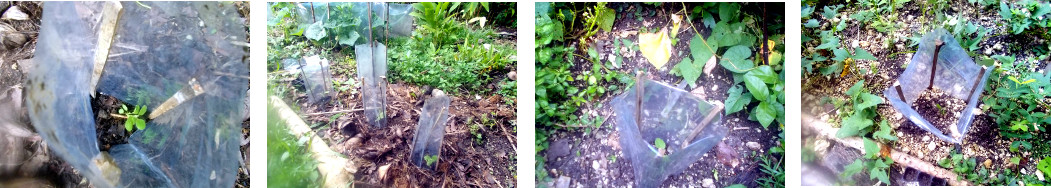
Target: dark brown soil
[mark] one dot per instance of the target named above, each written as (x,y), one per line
(940,109)
(592,156)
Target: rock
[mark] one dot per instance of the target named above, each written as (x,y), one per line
(14,13)
(988,51)
(854,44)
(1040,175)
(926,138)
(753,145)
(864,44)
(900,134)
(707,183)
(562,182)
(513,75)
(988,163)
(1023,171)
(998,46)
(595,165)
(559,148)
(11,38)
(931,146)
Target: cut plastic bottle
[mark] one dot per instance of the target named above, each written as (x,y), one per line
(427,142)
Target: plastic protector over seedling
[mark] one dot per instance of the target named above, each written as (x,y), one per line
(317,78)
(372,68)
(429,131)
(670,114)
(399,23)
(957,75)
(161,51)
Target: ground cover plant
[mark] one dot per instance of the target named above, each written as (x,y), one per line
(588,53)
(866,45)
(465,50)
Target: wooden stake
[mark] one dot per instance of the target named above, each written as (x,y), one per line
(938,46)
(718,107)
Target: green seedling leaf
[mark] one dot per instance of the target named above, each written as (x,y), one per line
(862,54)
(698,49)
(852,169)
(140,124)
(812,23)
(736,101)
(879,173)
(128,124)
(868,100)
(766,74)
(735,59)
(659,143)
(884,132)
(853,125)
(871,148)
(606,16)
(690,71)
(1044,166)
(855,90)
(431,159)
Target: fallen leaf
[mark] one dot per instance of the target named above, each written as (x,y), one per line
(726,154)
(656,47)
(676,22)
(709,66)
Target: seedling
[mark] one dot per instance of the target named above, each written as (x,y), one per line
(431,159)
(133,117)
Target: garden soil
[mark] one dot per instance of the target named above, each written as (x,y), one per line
(941,110)
(381,155)
(983,141)
(592,157)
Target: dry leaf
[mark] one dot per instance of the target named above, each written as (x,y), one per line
(656,47)
(709,66)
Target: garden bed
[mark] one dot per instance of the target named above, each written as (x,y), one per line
(591,155)
(940,109)
(892,51)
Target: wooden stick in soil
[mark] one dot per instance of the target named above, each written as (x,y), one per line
(934,65)
(828,132)
(640,80)
(333,112)
(718,107)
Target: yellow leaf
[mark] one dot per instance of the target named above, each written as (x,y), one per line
(846,67)
(770,45)
(676,22)
(656,47)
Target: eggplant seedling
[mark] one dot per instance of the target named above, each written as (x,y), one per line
(134,117)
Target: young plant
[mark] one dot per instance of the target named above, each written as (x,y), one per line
(135,117)
(858,116)
(873,163)
(431,159)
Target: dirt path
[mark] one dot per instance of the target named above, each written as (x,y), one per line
(594,158)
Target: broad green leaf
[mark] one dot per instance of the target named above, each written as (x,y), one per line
(128,124)
(736,100)
(699,51)
(765,113)
(862,54)
(853,125)
(856,89)
(140,124)
(350,39)
(606,16)
(316,31)
(840,54)
(735,59)
(812,23)
(868,100)
(828,43)
(756,86)
(833,68)
(879,173)
(690,72)
(765,73)
(871,148)
(655,47)
(852,169)
(884,132)
(729,11)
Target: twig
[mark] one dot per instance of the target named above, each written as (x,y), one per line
(704,123)
(333,112)
(938,46)
(509,138)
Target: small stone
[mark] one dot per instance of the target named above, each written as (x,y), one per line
(931,146)
(926,138)
(512,75)
(14,13)
(562,182)
(1023,171)
(864,44)
(707,183)
(753,146)
(595,165)
(854,44)
(1040,175)
(900,134)
(988,163)
(997,46)
(988,51)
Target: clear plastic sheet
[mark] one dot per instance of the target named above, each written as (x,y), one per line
(399,22)
(158,48)
(957,75)
(429,130)
(372,69)
(670,114)
(317,79)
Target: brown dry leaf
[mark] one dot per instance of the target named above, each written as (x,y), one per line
(709,66)
(726,154)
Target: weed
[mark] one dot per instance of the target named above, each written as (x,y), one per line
(431,159)
(872,163)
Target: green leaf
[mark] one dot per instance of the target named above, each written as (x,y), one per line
(884,132)
(812,23)
(734,59)
(869,100)
(879,173)
(316,31)
(128,124)
(606,16)
(853,125)
(765,73)
(828,43)
(871,148)
(765,113)
(756,86)
(736,186)
(350,39)
(140,124)
(840,54)
(659,143)
(699,51)
(690,72)
(862,54)
(852,169)
(1044,165)
(855,90)
(729,11)
(1016,160)
(736,101)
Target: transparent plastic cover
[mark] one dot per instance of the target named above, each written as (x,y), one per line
(957,75)
(158,48)
(672,115)
(429,130)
